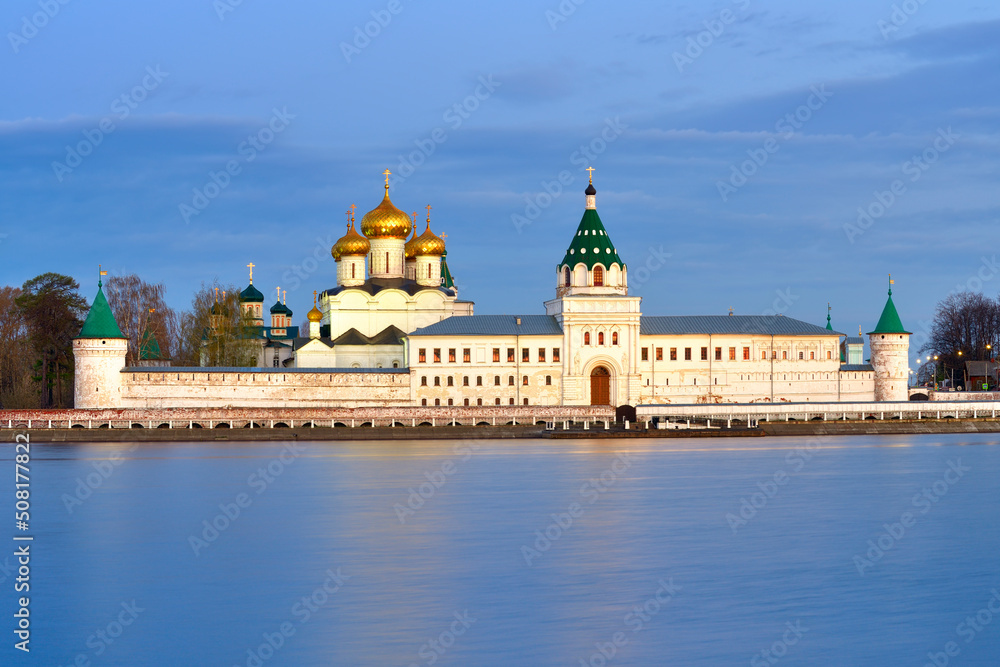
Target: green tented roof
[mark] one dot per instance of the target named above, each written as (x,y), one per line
(591,244)
(446,279)
(149,347)
(251,295)
(889,322)
(100,322)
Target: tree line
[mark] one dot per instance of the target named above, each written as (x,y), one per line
(966,327)
(39,320)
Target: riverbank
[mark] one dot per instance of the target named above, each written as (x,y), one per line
(500,432)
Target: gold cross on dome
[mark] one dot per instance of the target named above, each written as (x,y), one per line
(348,213)
(279,293)
(444,236)
(250,266)
(314,298)
(353,208)
(285,299)
(414,218)
(591,170)
(386,174)
(428,213)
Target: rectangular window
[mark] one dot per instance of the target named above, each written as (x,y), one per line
(687,354)
(704,354)
(467,355)
(451,356)
(829,354)
(422,355)
(763,354)
(718,354)
(496,355)
(784,354)
(645,354)
(555,354)
(732,354)
(541,355)
(479,381)
(437,355)
(525,355)
(746,354)
(465,381)
(812,356)
(510,355)
(437,381)
(801,357)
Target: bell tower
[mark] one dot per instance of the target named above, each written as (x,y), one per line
(600,321)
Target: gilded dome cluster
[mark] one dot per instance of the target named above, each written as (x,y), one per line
(428,243)
(386,221)
(351,243)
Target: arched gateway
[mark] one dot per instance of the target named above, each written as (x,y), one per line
(600,386)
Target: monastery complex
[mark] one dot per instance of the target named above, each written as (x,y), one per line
(394,332)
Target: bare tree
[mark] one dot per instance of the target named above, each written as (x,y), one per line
(17,387)
(140,306)
(966,328)
(216,331)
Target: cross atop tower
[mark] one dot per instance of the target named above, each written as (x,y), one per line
(250,266)
(386,174)
(428,213)
(355,206)
(279,293)
(591,170)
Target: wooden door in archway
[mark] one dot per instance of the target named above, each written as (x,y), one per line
(600,386)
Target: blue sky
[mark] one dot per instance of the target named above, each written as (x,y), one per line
(671,98)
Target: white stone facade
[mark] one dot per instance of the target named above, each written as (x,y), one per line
(890,358)
(98,380)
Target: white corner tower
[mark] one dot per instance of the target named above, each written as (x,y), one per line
(890,347)
(99,354)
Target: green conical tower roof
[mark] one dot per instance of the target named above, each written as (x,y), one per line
(446,279)
(889,323)
(100,322)
(591,244)
(149,348)
(829,325)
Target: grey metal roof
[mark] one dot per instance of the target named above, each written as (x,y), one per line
(856,367)
(493,325)
(730,324)
(855,340)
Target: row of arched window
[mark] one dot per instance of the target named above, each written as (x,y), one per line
(600,338)
(467,402)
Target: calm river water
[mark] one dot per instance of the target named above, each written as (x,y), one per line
(831,551)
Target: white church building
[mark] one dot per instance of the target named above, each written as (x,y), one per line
(394,332)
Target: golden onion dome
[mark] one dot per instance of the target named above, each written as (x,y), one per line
(411,245)
(350,243)
(428,243)
(386,221)
(315,315)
